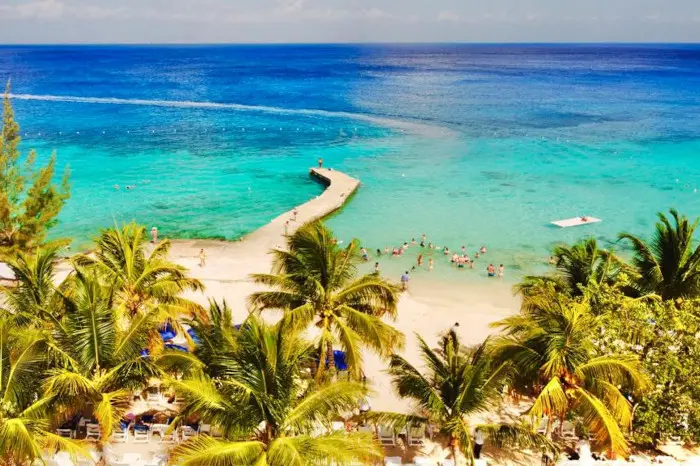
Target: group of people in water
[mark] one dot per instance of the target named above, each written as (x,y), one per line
(460,259)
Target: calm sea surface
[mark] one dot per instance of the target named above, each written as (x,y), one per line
(470,144)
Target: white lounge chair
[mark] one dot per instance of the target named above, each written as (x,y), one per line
(416,436)
(121,435)
(387,437)
(392,460)
(216,432)
(187,433)
(65,433)
(141,436)
(568,431)
(337,426)
(205,429)
(542,427)
(172,437)
(129,459)
(92,431)
(447,463)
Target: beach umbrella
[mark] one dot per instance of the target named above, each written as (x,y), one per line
(167,332)
(193,336)
(340,360)
(175,347)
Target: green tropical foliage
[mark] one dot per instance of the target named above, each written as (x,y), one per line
(29,200)
(315,283)
(553,347)
(266,404)
(25,415)
(668,264)
(576,266)
(458,384)
(143,281)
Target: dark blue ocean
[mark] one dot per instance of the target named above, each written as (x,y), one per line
(470,144)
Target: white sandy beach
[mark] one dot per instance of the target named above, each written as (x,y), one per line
(428,308)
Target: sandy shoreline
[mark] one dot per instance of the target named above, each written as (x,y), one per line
(429,307)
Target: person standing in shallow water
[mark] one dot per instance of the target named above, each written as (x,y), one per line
(404,280)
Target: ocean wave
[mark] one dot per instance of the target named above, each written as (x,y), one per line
(415,127)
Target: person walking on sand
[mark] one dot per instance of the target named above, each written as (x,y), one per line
(286,228)
(295,213)
(202,258)
(404,280)
(320,162)
(431,263)
(154,235)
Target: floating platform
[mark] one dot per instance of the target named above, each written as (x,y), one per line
(576,221)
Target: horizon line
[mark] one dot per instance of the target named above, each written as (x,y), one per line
(137,44)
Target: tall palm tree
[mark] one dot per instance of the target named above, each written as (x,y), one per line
(35,297)
(577,265)
(142,280)
(268,408)
(315,281)
(101,358)
(669,264)
(25,415)
(552,346)
(458,384)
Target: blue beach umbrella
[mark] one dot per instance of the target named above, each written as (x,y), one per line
(193,335)
(176,347)
(167,332)
(340,361)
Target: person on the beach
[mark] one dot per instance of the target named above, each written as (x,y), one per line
(379,252)
(420,260)
(395,252)
(154,234)
(413,241)
(286,228)
(446,251)
(464,250)
(405,245)
(423,237)
(295,213)
(483,250)
(477,255)
(430,246)
(471,264)
(584,219)
(552,260)
(365,256)
(430,264)
(202,258)
(501,270)
(422,243)
(320,162)
(491,270)
(455,258)
(478,443)
(404,280)
(376,267)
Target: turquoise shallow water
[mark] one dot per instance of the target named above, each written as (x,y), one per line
(471,145)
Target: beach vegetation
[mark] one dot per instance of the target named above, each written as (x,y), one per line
(30,200)
(315,282)
(265,402)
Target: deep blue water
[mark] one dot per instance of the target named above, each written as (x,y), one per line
(471,144)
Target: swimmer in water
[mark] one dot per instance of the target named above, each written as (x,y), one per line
(501,270)
(446,251)
(464,250)
(483,250)
(405,245)
(379,252)
(430,263)
(365,256)
(413,241)
(420,260)
(491,270)
(423,237)
(386,250)
(116,187)
(376,267)
(477,255)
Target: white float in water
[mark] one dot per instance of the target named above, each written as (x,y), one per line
(576,221)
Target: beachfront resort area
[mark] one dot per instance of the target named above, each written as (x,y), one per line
(283,349)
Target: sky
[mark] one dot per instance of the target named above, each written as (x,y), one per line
(275,21)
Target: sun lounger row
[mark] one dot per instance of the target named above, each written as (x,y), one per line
(425,461)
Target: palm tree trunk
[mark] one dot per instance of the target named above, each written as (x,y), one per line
(330,360)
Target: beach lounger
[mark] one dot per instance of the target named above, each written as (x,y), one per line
(568,431)
(216,432)
(172,437)
(447,463)
(392,460)
(416,436)
(542,427)
(141,436)
(205,429)
(92,431)
(387,437)
(187,433)
(154,396)
(65,433)
(337,426)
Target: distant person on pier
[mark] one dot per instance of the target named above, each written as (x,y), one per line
(320,162)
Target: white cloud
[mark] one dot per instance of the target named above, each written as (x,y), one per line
(42,9)
(447,15)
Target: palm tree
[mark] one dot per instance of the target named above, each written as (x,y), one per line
(577,266)
(101,360)
(35,297)
(268,408)
(668,265)
(459,383)
(552,346)
(142,281)
(25,414)
(315,281)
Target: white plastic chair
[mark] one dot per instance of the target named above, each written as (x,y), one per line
(392,460)
(424,461)
(416,436)
(205,429)
(65,433)
(154,396)
(542,427)
(447,463)
(569,431)
(187,433)
(121,435)
(170,437)
(141,436)
(93,431)
(337,426)
(387,437)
